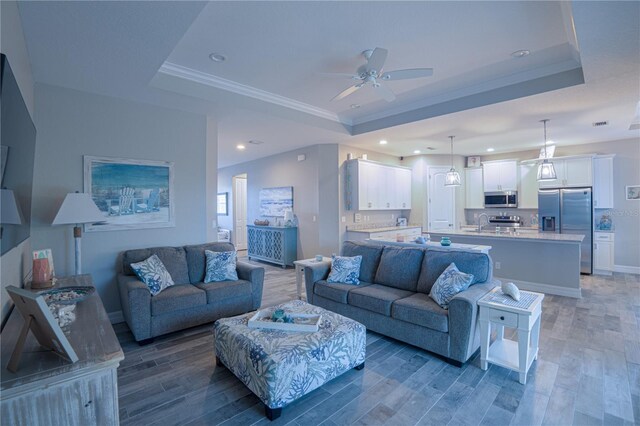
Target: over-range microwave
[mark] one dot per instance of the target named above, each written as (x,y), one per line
(501,199)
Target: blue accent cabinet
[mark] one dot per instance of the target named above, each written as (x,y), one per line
(274,244)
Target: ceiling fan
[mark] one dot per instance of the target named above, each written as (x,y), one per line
(372,74)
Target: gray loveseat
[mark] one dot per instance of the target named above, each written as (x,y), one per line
(393,296)
(190,302)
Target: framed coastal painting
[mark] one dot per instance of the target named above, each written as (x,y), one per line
(131,194)
(275,201)
(223,204)
(633,192)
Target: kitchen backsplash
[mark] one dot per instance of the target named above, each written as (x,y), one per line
(529,217)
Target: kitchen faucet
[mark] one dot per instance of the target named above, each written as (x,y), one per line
(480,220)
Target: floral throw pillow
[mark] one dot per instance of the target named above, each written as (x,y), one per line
(221,266)
(345,270)
(153,273)
(448,284)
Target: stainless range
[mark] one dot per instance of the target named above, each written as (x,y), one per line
(499,222)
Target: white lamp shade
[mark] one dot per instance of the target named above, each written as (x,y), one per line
(288,215)
(10,213)
(452,178)
(78,208)
(546,171)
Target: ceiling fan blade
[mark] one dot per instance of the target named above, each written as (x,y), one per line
(377,59)
(346,92)
(384,92)
(407,74)
(340,75)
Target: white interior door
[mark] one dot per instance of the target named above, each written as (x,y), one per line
(441,201)
(240,212)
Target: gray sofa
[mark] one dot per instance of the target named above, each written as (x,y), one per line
(190,302)
(393,296)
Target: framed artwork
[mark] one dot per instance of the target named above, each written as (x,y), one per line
(223,203)
(633,192)
(45,254)
(132,194)
(275,201)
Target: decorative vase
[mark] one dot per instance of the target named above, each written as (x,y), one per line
(41,274)
(445,241)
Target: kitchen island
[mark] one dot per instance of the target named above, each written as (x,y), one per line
(537,261)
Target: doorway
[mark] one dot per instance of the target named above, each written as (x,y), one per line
(440,201)
(240,211)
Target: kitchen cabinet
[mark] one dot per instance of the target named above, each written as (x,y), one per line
(603,182)
(528,191)
(603,244)
(473,191)
(500,175)
(375,186)
(571,172)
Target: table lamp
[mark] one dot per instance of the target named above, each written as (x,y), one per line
(78,208)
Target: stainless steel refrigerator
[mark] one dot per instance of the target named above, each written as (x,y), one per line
(569,211)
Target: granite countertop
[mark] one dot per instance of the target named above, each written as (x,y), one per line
(527,235)
(472,247)
(388,228)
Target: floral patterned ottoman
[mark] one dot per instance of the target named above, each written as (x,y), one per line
(281,366)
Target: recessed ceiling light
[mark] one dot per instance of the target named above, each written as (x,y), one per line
(354,106)
(383,142)
(217,57)
(490,149)
(520,53)
(241,147)
(417,151)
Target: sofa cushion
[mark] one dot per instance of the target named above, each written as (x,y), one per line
(421,310)
(376,298)
(370,258)
(450,283)
(173,258)
(221,266)
(221,290)
(337,292)
(153,273)
(177,297)
(400,267)
(437,260)
(196,261)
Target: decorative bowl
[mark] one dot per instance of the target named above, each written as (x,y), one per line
(261,222)
(445,241)
(67,295)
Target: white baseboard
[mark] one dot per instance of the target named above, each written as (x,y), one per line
(116,317)
(627,269)
(545,288)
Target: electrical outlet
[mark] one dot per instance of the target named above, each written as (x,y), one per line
(393,216)
(314,218)
(475,216)
(344,219)
(497,265)
(357,217)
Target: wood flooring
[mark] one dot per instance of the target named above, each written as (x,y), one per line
(587,373)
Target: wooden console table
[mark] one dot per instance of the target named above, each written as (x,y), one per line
(50,390)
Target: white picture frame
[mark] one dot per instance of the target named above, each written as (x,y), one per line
(132,194)
(632,192)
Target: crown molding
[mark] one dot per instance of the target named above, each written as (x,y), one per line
(200,77)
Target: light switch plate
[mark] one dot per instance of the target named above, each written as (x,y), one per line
(357,218)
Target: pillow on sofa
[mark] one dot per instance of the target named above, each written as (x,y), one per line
(448,284)
(221,266)
(345,270)
(153,273)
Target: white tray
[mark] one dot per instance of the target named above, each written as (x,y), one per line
(301,322)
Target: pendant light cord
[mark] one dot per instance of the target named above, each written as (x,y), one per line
(451,137)
(544,122)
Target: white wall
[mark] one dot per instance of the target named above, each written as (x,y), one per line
(315,183)
(15,265)
(72,124)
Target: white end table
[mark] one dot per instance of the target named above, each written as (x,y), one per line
(299,266)
(499,309)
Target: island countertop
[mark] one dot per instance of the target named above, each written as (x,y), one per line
(385,229)
(528,234)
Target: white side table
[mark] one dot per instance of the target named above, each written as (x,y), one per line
(299,266)
(524,315)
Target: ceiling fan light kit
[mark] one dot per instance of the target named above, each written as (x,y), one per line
(372,73)
(546,170)
(453,177)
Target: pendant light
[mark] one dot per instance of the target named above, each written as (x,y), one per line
(546,171)
(453,177)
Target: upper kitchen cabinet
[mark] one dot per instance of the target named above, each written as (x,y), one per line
(473,191)
(528,191)
(603,182)
(500,175)
(374,186)
(571,172)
